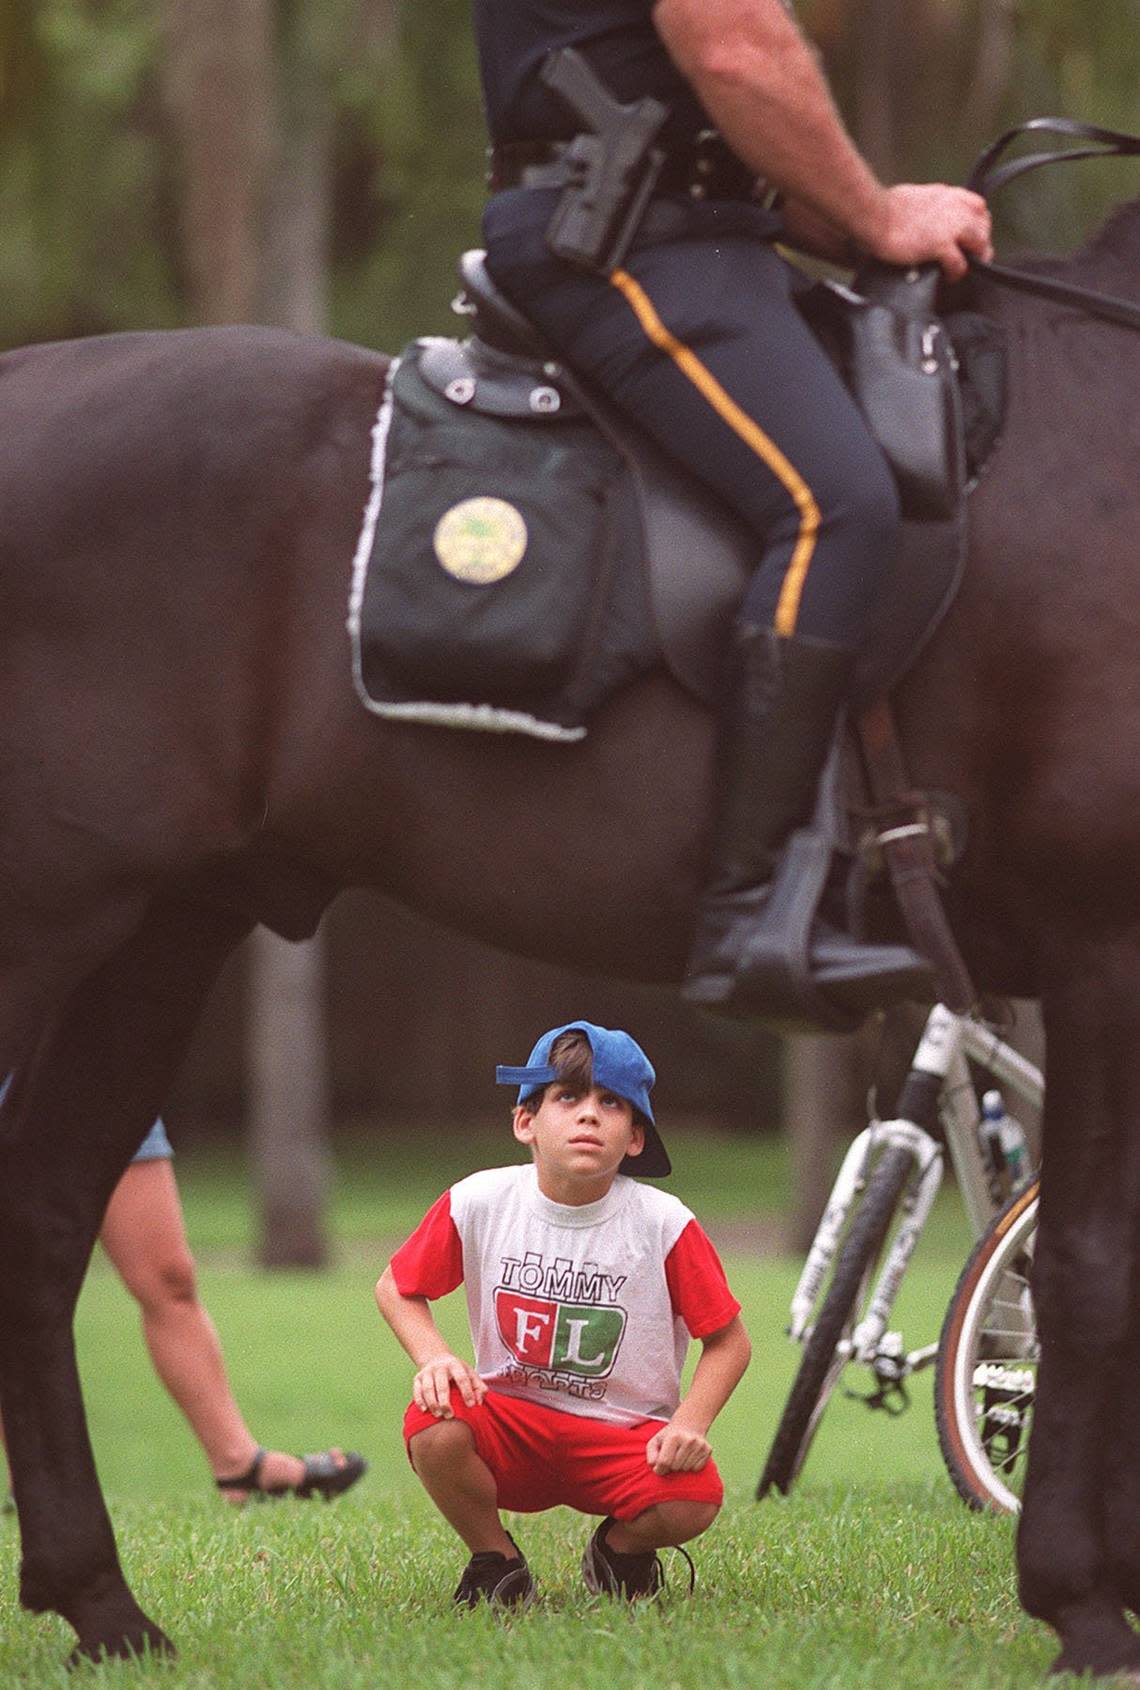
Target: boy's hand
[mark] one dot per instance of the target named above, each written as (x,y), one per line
(677,1449)
(431,1387)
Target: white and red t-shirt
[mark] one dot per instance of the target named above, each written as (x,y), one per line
(585,1308)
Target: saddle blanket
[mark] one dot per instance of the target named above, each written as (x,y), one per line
(497,581)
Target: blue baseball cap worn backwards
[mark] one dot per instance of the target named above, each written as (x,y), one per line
(620,1065)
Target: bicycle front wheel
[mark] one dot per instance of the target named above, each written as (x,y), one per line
(986,1375)
(827,1350)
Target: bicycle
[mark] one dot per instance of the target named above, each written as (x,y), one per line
(986,1355)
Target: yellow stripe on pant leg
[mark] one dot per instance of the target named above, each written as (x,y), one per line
(742,425)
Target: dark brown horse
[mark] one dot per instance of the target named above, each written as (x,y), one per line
(183,756)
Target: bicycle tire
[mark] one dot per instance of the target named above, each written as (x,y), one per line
(823,1360)
(985,1376)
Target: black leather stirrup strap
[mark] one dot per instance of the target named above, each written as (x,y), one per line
(909,855)
(988,176)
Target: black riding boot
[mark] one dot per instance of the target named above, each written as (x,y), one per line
(780,712)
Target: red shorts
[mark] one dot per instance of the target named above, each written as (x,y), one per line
(542,1457)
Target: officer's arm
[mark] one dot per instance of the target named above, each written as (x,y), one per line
(760,81)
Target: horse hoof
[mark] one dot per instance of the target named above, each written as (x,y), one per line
(1117,1661)
(142,1641)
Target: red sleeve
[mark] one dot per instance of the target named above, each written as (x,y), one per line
(698,1288)
(430,1262)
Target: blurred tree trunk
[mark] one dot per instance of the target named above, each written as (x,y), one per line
(290,1103)
(290,1088)
(992,68)
(217,71)
(249,84)
(289,1098)
(873,122)
(825,1090)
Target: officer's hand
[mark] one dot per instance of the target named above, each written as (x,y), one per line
(431,1387)
(931,221)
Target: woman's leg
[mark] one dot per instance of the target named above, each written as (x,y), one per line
(144,1235)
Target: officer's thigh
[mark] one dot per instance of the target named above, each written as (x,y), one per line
(703,344)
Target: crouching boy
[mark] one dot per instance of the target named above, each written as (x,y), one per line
(583,1289)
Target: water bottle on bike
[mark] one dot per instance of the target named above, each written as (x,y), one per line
(1006,1144)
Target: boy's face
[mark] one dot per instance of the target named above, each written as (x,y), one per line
(578,1139)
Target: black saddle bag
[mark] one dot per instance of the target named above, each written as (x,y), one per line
(893,353)
(492,595)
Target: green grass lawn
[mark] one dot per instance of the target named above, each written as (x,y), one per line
(872,1574)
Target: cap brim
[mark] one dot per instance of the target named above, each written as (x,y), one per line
(653,1162)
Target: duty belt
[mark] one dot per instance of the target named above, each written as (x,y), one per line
(705,168)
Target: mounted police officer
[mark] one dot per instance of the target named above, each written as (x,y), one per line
(667,293)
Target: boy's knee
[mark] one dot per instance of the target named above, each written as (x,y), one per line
(679,1521)
(440,1446)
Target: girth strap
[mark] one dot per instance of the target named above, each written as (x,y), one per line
(909,853)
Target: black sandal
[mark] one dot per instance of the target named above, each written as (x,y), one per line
(324,1476)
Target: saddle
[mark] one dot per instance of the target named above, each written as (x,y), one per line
(907,371)
(931,390)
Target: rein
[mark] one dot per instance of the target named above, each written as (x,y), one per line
(988,176)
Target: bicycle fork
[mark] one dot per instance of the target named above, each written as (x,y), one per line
(870,1342)
(937,1087)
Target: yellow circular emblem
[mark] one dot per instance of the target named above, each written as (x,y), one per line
(480,540)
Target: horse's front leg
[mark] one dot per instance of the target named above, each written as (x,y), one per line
(1071,1539)
(53,1190)
(1122,1429)
(74,1116)
(1122,1501)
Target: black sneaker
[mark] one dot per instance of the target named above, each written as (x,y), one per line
(505,1582)
(609,1573)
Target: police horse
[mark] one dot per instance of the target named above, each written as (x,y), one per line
(184,756)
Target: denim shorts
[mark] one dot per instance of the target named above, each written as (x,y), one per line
(155,1147)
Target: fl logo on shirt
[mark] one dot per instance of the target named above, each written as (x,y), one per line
(581,1338)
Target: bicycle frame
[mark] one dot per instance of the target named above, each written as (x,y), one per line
(938,1090)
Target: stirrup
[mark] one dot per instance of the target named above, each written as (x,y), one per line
(792,970)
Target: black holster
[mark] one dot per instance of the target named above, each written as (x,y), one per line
(610,171)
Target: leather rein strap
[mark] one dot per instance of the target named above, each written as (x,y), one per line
(988,175)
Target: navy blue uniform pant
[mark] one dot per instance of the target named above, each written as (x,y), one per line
(700,340)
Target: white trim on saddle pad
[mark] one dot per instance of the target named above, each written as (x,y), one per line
(486,717)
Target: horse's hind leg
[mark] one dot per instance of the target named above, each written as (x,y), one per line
(77,1111)
(1122,1429)
(41,966)
(1073,1545)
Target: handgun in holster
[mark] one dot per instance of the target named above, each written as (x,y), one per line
(613,167)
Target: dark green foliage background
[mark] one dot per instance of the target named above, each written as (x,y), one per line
(89,177)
